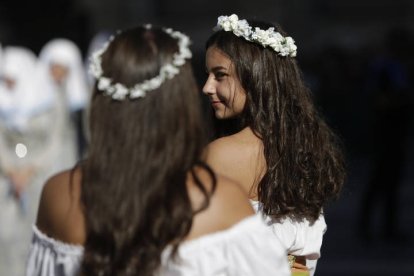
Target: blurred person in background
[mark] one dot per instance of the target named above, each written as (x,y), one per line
(24,126)
(61,75)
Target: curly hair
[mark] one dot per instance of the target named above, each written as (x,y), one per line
(134,191)
(305,166)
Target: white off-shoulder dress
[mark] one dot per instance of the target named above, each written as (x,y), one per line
(247,248)
(301,238)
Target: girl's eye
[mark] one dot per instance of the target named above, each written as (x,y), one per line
(219,75)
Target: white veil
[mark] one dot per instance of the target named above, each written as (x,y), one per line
(20,102)
(64,52)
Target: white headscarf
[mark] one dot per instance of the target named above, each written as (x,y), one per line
(19,103)
(64,52)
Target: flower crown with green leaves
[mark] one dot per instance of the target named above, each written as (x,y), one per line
(284,46)
(118,91)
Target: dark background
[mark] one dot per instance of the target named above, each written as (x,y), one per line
(354,54)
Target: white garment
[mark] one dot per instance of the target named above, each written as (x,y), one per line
(69,96)
(301,238)
(248,248)
(20,102)
(21,122)
(17,215)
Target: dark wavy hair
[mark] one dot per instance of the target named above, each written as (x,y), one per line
(305,167)
(141,151)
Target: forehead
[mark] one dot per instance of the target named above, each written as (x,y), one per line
(216,58)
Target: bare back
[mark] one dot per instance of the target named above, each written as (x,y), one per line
(61,217)
(239,157)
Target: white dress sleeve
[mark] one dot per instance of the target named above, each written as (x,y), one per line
(301,238)
(49,257)
(248,248)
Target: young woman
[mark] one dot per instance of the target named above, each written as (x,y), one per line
(282,152)
(143,202)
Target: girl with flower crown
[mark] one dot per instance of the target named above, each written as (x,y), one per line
(282,152)
(144,202)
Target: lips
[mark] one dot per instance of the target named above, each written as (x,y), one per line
(216,103)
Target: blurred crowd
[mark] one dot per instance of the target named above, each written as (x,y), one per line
(43,116)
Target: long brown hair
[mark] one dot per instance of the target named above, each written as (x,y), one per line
(134,178)
(305,167)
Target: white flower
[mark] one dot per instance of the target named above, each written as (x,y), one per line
(291,44)
(241,28)
(169,70)
(119,92)
(284,52)
(234,21)
(224,23)
(118,96)
(154,83)
(109,90)
(94,67)
(260,36)
(103,83)
(137,93)
(121,89)
(178,61)
(277,47)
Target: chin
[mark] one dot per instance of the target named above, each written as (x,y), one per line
(222,115)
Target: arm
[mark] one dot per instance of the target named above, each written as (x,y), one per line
(56,247)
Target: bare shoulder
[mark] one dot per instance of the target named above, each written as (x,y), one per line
(222,154)
(222,147)
(238,157)
(228,205)
(60,214)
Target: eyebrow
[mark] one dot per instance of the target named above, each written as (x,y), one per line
(217,68)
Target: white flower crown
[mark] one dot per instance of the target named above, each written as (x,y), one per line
(284,46)
(118,91)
